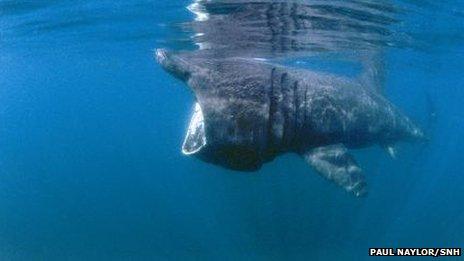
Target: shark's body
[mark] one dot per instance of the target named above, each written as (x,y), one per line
(250,111)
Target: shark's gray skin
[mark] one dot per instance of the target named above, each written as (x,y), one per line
(249,111)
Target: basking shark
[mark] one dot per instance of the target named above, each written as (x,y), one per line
(249,111)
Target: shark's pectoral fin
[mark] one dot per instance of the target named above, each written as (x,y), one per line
(337,165)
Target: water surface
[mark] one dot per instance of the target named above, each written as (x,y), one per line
(91,130)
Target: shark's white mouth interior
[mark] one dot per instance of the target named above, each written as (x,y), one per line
(195,138)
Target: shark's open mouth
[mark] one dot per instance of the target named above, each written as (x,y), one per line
(195,138)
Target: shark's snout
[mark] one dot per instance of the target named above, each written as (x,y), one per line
(173,63)
(160,55)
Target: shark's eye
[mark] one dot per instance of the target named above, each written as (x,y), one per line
(195,139)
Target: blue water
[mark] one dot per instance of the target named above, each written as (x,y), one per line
(91,129)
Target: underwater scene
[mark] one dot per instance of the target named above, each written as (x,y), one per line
(231,130)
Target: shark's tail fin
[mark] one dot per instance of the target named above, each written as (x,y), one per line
(431,113)
(410,131)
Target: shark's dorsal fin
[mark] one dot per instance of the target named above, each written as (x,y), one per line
(337,165)
(373,71)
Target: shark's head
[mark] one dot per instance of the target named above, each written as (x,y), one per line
(181,68)
(176,65)
(225,152)
(208,135)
